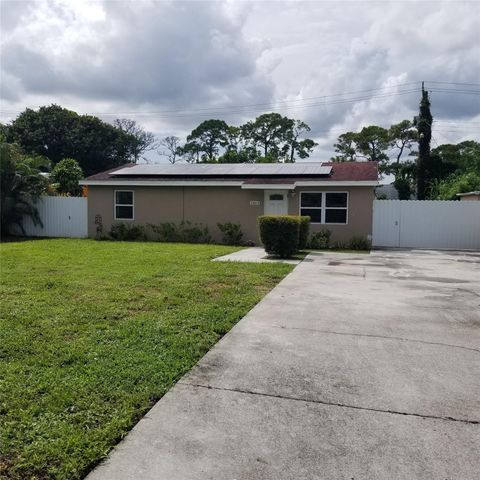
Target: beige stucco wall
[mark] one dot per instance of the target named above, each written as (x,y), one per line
(206,205)
(360,211)
(209,205)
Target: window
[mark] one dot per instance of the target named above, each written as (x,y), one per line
(324,207)
(276,196)
(123,205)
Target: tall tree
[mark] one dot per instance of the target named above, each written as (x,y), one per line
(370,144)
(208,137)
(424,127)
(295,144)
(403,137)
(137,141)
(58,133)
(346,148)
(268,132)
(171,148)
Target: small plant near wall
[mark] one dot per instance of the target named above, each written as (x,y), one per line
(232,233)
(358,242)
(303,233)
(185,232)
(320,240)
(124,232)
(280,234)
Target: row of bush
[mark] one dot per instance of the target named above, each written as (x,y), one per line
(185,232)
(281,235)
(285,235)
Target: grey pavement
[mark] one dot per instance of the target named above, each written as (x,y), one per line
(254,255)
(353,367)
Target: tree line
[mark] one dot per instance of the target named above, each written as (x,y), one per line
(269,138)
(404,151)
(57,133)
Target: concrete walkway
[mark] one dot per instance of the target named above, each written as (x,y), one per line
(255,255)
(353,367)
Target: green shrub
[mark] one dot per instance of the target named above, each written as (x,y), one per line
(303,233)
(232,233)
(320,240)
(194,233)
(166,232)
(185,232)
(280,234)
(125,232)
(359,242)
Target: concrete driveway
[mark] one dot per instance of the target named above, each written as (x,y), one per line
(353,367)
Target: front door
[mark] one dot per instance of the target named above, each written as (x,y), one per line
(276,202)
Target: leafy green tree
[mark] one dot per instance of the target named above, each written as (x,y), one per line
(462,157)
(403,137)
(295,144)
(3,132)
(372,143)
(346,148)
(58,133)
(190,152)
(369,144)
(268,132)
(66,174)
(21,184)
(208,138)
(448,188)
(424,126)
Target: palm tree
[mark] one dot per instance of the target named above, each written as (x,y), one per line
(21,184)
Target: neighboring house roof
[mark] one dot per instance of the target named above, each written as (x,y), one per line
(466,194)
(246,175)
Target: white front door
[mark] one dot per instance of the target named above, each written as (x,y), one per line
(276,202)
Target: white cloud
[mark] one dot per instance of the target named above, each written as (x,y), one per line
(187,59)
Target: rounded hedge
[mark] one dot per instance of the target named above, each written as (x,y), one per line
(280,234)
(304,231)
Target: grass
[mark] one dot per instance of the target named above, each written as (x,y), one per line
(92,334)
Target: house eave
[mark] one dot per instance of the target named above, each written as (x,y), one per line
(241,184)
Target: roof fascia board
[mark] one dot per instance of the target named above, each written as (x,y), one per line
(161,183)
(206,183)
(339,183)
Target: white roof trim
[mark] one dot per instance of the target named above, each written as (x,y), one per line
(313,183)
(212,183)
(338,183)
(268,186)
(160,183)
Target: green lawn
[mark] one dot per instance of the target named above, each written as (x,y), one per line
(93,333)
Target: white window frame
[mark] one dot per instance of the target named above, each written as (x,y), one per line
(324,207)
(115,205)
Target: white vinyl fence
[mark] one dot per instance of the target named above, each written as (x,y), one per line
(435,224)
(61,217)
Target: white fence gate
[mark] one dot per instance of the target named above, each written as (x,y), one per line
(426,224)
(61,217)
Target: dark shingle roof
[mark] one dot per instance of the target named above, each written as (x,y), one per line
(276,173)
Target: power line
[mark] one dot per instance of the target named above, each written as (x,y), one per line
(453,83)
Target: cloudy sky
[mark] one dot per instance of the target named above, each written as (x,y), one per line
(169,65)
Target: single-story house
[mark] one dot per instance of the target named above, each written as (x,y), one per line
(337,196)
(469,196)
